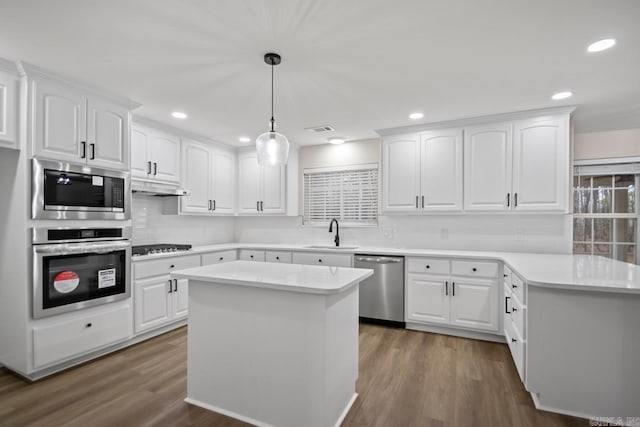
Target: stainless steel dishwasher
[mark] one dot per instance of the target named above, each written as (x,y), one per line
(382,295)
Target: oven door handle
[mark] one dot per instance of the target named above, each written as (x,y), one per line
(81,248)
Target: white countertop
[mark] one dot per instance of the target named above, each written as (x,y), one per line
(577,272)
(310,279)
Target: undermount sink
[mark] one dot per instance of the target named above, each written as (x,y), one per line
(330,247)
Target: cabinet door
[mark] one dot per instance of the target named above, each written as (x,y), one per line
(8,110)
(441,170)
(487,166)
(152,303)
(60,122)
(223,182)
(196,177)
(427,299)
(474,304)
(107,134)
(274,200)
(401,173)
(164,154)
(180,298)
(249,180)
(541,164)
(140,140)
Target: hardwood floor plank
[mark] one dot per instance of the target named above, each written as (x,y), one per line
(406,378)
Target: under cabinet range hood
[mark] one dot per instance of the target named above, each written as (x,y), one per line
(157,189)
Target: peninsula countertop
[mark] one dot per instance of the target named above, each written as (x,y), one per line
(310,279)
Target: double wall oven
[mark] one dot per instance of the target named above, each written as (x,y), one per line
(83,257)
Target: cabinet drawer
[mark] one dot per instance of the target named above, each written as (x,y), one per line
(517,347)
(311,258)
(278,256)
(474,268)
(218,257)
(249,255)
(517,287)
(506,275)
(517,316)
(163,266)
(428,265)
(63,340)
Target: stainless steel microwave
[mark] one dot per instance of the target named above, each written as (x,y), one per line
(74,191)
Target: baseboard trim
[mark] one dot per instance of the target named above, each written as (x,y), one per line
(541,407)
(444,330)
(231,414)
(346,409)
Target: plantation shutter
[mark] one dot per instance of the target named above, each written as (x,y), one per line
(351,196)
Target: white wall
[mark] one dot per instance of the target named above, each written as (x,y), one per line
(605,145)
(151,226)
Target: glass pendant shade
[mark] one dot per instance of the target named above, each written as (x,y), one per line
(272,148)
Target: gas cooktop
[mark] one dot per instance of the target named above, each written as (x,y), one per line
(159,248)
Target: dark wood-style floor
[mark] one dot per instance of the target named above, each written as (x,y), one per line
(407,378)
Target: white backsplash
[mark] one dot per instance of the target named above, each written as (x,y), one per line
(518,233)
(151,226)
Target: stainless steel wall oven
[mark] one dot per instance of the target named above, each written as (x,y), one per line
(73,191)
(75,268)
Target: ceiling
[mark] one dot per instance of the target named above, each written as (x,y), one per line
(355,65)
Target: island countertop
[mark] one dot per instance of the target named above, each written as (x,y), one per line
(310,279)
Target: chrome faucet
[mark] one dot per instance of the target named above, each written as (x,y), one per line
(337,239)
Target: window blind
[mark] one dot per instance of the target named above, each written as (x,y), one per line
(351,196)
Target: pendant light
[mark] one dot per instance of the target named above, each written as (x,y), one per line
(272,147)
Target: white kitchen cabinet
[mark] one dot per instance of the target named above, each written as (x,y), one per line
(427,299)
(487,160)
(209,175)
(520,166)
(71,125)
(251,255)
(278,256)
(422,172)
(261,189)
(9,95)
(459,293)
(158,299)
(541,164)
(155,155)
(321,258)
(219,257)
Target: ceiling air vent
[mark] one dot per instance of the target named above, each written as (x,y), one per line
(319,129)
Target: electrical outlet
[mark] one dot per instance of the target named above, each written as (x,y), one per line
(387,232)
(519,234)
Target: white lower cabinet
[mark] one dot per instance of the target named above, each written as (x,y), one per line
(251,255)
(159,299)
(514,319)
(278,256)
(313,258)
(436,296)
(219,257)
(55,341)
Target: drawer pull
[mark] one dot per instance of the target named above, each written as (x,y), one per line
(446,288)
(278,258)
(251,256)
(474,269)
(514,309)
(453,289)
(505,275)
(428,267)
(514,340)
(514,286)
(88,325)
(221,258)
(172,266)
(319,260)
(506,305)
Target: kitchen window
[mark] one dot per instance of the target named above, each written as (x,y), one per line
(347,194)
(605,206)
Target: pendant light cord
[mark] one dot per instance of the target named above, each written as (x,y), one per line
(272,119)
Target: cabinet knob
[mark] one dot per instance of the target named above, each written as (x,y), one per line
(319,260)
(514,286)
(514,340)
(505,275)
(474,269)
(221,258)
(278,258)
(251,256)
(171,266)
(428,267)
(88,325)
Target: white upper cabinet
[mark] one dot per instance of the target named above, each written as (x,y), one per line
(401,173)
(155,155)
(107,134)
(9,89)
(422,172)
(541,164)
(261,189)
(487,174)
(209,175)
(441,170)
(71,125)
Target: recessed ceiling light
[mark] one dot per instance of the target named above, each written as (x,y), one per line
(416,116)
(601,45)
(179,115)
(336,140)
(244,139)
(561,95)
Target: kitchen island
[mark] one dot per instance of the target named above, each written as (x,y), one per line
(273,344)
